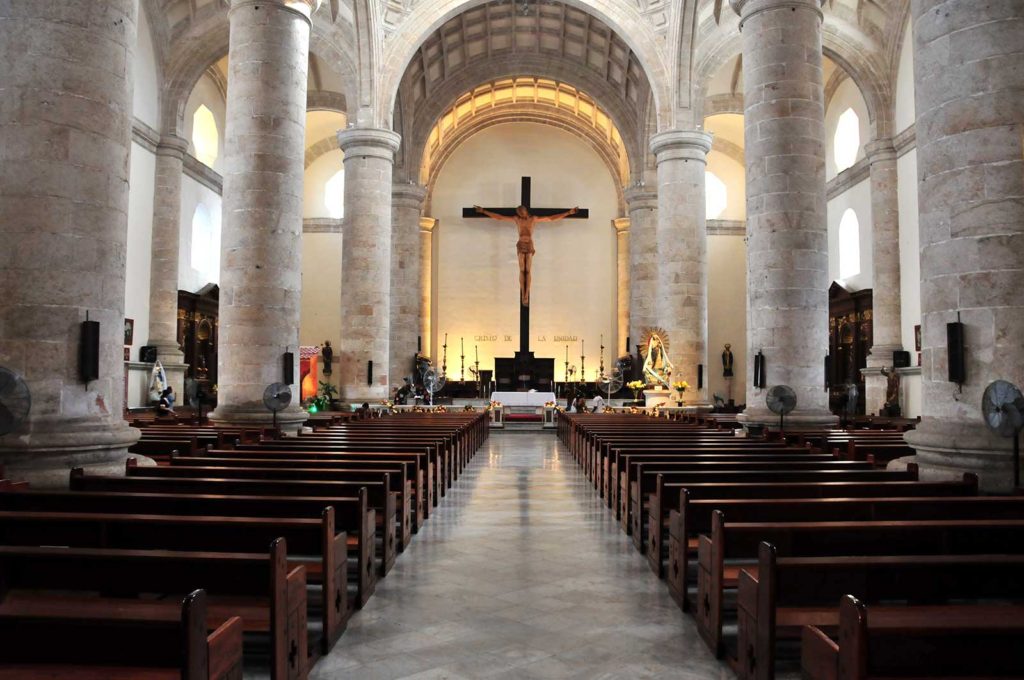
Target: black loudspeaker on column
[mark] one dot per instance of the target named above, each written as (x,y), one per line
(700,376)
(828,371)
(759,371)
(900,359)
(955,352)
(89,351)
(288,372)
(369,372)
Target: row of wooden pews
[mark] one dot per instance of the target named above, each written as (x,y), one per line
(279,538)
(791,553)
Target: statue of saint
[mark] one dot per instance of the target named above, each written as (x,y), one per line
(892,391)
(727,360)
(524,246)
(657,368)
(327,352)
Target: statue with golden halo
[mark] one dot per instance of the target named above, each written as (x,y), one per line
(657,367)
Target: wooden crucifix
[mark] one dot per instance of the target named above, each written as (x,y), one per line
(525,217)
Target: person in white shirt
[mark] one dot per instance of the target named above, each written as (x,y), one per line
(598,406)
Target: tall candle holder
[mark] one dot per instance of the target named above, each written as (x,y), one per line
(444,356)
(462,360)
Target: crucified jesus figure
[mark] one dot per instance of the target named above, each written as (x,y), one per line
(524,246)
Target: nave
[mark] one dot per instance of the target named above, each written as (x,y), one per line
(521,573)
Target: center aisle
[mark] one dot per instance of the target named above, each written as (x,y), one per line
(521,573)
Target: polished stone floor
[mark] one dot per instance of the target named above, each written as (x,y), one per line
(521,573)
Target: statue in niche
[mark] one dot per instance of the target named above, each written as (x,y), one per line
(727,361)
(525,221)
(657,367)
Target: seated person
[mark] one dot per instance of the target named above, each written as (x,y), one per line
(598,406)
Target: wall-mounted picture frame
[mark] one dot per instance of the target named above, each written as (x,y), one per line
(127,353)
(129,331)
(917,338)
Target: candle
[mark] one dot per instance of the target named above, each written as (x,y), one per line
(582,353)
(567,354)
(476,353)
(462,345)
(445,339)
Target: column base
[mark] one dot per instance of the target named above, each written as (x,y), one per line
(875,387)
(357,394)
(45,458)
(946,449)
(796,421)
(288,420)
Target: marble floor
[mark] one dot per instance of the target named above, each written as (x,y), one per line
(521,573)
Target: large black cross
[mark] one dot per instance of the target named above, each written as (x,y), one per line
(524,199)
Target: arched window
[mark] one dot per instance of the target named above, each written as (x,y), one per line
(846,142)
(849,245)
(716,196)
(334,195)
(205,137)
(206,243)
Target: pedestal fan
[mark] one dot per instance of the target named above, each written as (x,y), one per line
(277,397)
(15,400)
(1002,406)
(781,399)
(433,382)
(611,383)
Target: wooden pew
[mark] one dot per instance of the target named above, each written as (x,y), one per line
(980,641)
(260,588)
(695,515)
(403,473)
(420,462)
(739,544)
(353,516)
(392,480)
(307,539)
(378,496)
(57,643)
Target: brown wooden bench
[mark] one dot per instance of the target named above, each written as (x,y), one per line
(60,643)
(380,499)
(353,516)
(259,587)
(958,641)
(694,518)
(313,543)
(730,546)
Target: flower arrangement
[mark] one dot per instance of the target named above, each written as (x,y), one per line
(680,386)
(468,408)
(549,404)
(636,386)
(495,404)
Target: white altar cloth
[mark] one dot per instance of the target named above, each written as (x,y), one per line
(523,398)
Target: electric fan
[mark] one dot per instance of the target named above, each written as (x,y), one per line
(1002,406)
(781,399)
(276,398)
(15,400)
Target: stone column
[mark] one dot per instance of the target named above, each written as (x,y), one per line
(163,280)
(643,262)
(366,262)
(968,57)
(681,239)
(427,225)
(787,252)
(622,288)
(65,137)
(406,263)
(261,240)
(885,250)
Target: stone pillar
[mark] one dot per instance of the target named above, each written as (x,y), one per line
(622,288)
(787,252)
(406,263)
(366,262)
(163,279)
(427,225)
(968,57)
(885,250)
(681,239)
(261,240)
(643,262)
(65,138)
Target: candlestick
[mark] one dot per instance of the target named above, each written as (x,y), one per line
(476,353)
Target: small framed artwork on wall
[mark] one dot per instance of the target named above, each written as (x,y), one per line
(917,338)
(129,331)
(127,353)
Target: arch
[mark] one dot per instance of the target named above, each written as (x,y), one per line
(526,114)
(206,43)
(425,18)
(540,66)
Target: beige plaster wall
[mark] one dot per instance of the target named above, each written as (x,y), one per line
(910,273)
(146,93)
(321,289)
(733,175)
(904,110)
(314,183)
(475,265)
(727,318)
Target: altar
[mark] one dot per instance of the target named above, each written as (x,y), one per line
(523,398)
